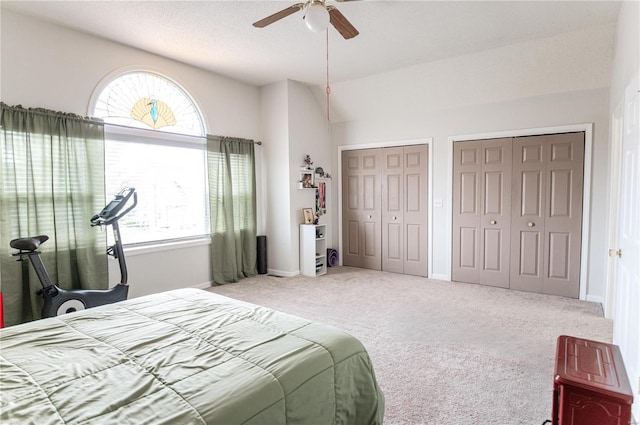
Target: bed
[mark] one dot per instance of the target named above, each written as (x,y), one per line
(184,357)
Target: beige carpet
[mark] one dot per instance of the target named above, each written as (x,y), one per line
(444,353)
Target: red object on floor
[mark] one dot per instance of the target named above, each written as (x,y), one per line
(591,386)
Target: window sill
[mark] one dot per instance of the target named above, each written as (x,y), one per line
(133,250)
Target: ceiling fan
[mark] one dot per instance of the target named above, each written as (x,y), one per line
(317,15)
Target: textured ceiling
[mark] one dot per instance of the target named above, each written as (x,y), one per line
(218,35)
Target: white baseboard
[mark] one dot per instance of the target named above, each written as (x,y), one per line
(595,299)
(438,276)
(281,273)
(203,285)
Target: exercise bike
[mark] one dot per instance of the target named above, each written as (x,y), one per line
(59,301)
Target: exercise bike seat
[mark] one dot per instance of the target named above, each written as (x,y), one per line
(28,244)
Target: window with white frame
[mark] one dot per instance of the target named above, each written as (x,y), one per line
(155,142)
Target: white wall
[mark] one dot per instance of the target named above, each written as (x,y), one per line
(44,65)
(626,58)
(292,127)
(309,136)
(564,63)
(547,82)
(275,136)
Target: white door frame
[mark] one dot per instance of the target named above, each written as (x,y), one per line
(615,170)
(391,144)
(586,192)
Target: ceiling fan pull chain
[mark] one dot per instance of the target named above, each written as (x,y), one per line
(328,89)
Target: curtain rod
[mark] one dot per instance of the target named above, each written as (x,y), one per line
(51,112)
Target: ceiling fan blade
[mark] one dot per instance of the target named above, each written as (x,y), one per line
(278,15)
(341,23)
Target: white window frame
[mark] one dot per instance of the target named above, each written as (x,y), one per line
(157,138)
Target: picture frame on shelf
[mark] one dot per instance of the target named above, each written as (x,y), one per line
(308,215)
(307,179)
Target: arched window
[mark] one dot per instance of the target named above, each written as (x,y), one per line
(155,142)
(149,101)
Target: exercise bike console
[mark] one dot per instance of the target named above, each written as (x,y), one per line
(58,301)
(111,213)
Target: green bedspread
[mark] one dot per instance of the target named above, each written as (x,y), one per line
(184,357)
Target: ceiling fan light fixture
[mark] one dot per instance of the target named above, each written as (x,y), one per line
(316,17)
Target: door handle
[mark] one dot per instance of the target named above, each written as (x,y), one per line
(531,224)
(493,222)
(369,216)
(615,252)
(395,218)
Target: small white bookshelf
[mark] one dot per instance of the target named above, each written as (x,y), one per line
(313,249)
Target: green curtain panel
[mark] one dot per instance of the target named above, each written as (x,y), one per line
(51,183)
(232,198)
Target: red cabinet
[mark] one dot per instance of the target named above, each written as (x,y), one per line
(591,386)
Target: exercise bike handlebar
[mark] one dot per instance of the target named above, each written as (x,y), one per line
(113,211)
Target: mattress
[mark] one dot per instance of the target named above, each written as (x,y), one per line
(184,357)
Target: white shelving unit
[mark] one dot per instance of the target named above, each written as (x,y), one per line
(313,249)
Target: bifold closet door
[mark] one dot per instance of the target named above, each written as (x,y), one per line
(547,214)
(482,211)
(361,208)
(416,209)
(405,209)
(393,230)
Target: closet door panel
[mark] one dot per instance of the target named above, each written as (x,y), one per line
(416,209)
(370,193)
(468,195)
(495,217)
(393,244)
(547,214)
(492,248)
(563,221)
(529,260)
(467,169)
(559,255)
(353,193)
(392,210)
(482,213)
(414,241)
(527,231)
(468,250)
(351,208)
(352,243)
(531,192)
(370,215)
